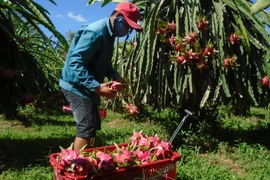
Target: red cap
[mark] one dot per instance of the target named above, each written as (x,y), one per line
(131,14)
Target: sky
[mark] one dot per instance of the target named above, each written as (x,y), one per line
(69,15)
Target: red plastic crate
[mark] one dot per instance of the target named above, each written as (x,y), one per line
(158,170)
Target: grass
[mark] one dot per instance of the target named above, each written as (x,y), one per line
(234,147)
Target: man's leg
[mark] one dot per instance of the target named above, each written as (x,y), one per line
(86,117)
(81,142)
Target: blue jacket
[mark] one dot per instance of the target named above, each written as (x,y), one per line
(88,60)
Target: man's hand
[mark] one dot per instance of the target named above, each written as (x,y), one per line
(105,90)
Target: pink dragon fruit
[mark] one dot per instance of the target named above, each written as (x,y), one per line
(163,150)
(68,154)
(265,81)
(202,24)
(144,143)
(209,49)
(171,28)
(135,138)
(171,40)
(81,167)
(143,156)
(230,61)
(235,38)
(123,157)
(181,60)
(154,140)
(179,46)
(105,162)
(133,110)
(116,86)
(191,38)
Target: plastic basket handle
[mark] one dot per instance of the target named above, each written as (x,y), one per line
(180,125)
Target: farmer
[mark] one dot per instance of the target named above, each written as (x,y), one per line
(88,62)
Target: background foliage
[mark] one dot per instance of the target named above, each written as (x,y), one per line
(158,81)
(29,60)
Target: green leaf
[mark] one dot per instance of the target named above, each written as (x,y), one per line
(259,6)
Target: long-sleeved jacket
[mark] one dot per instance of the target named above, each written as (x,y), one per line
(88,60)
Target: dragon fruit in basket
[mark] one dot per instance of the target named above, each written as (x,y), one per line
(74,161)
(141,150)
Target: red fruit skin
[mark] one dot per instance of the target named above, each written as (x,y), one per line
(265,81)
(191,38)
(202,25)
(132,109)
(171,27)
(136,137)
(209,51)
(68,155)
(234,38)
(114,86)
(124,158)
(227,63)
(82,167)
(106,163)
(181,60)
(143,156)
(178,47)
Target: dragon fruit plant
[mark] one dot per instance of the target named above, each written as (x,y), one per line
(141,149)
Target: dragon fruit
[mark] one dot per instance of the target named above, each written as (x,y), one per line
(171,28)
(181,60)
(191,38)
(136,137)
(265,81)
(202,24)
(74,161)
(143,156)
(68,154)
(133,110)
(230,61)
(117,86)
(142,149)
(235,38)
(163,150)
(154,140)
(81,167)
(209,49)
(179,46)
(143,142)
(105,162)
(123,157)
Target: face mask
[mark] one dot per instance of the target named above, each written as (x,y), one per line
(119,27)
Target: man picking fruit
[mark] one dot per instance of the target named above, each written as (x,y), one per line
(88,62)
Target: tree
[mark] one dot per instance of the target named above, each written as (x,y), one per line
(29,59)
